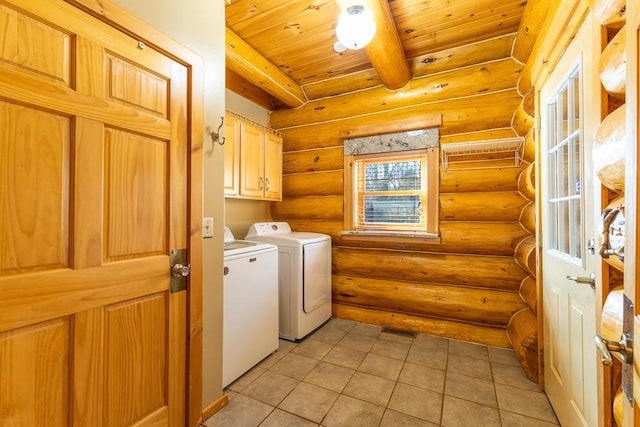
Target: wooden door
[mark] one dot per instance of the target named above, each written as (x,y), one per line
(251,161)
(273,166)
(568,116)
(231,155)
(93,197)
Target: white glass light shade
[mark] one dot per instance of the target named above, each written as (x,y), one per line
(356,28)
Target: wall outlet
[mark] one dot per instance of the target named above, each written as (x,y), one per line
(207,227)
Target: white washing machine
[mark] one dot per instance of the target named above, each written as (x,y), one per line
(304,270)
(250,306)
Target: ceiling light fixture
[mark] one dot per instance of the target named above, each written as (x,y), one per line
(356,27)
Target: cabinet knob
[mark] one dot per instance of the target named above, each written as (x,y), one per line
(267,184)
(261,183)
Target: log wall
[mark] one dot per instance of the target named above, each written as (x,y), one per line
(466,286)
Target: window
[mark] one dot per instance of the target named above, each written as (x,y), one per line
(392,193)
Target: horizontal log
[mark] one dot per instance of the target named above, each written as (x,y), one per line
(243,87)
(449,59)
(610,13)
(609,150)
(529,150)
(482,135)
(529,292)
(523,335)
(531,23)
(385,51)
(497,206)
(470,114)
(561,26)
(323,159)
(315,207)
(486,206)
(479,238)
(482,306)
(472,180)
(313,184)
(613,65)
(248,63)
(480,271)
(522,121)
(527,182)
(527,255)
(528,218)
(474,80)
(480,334)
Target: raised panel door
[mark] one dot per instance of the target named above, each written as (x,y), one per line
(93,185)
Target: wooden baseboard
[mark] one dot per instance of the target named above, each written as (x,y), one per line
(218,404)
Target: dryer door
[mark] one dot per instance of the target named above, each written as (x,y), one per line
(316,279)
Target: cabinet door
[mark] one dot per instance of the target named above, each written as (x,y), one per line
(273,167)
(251,161)
(231,156)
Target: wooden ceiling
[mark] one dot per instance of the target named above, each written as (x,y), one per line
(292,42)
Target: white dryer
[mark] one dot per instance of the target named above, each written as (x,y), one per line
(304,271)
(250,305)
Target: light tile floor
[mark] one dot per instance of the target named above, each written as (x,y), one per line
(354,374)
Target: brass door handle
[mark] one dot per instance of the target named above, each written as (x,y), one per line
(591,280)
(180,270)
(624,347)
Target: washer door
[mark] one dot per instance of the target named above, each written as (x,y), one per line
(316,275)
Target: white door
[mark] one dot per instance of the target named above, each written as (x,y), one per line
(569,108)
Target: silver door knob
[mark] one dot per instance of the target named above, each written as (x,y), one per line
(591,280)
(180,270)
(624,347)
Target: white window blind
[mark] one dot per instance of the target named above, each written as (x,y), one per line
(390,192)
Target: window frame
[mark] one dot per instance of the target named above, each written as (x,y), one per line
(389,232)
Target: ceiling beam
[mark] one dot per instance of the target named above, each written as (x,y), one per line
(385,51)
(255,68)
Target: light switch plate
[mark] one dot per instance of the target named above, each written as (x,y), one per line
(207,227)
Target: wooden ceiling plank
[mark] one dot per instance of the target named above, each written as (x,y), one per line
(248,63)
(385,51)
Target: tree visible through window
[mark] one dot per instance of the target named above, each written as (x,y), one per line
(393,192)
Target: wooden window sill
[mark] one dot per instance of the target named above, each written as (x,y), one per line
(391,236)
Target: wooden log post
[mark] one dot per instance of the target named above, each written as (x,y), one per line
(523,335)
(609,149)
(613,65)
